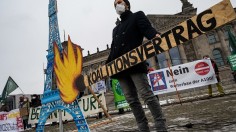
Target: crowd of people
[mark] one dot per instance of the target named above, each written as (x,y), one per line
(25,105)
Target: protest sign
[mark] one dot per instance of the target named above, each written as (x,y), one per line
(119,98)
(232,61)
(88,105)
(186,76)
(11,121)
(99,87)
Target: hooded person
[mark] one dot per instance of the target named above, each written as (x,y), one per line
(35,101)
(127,35)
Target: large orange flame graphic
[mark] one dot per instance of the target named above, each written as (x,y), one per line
(68,68)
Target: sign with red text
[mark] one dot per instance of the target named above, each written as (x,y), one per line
(189,75)
(11,121)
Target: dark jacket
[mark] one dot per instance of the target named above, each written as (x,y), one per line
(129,34)
(215,67)
(35,102)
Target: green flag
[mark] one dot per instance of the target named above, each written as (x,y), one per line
(232,61)
(232,42)
(120,101)
(9,87)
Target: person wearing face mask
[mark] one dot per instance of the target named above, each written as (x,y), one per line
(24,106)
(217,73)
(35,102)
(127,35)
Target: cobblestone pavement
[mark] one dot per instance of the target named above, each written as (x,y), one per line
(215,114)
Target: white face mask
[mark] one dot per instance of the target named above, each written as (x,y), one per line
(120,8)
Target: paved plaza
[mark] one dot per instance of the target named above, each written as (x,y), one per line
(195,114)
(215,114)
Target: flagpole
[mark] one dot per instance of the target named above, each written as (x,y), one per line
(64,36)
(21,90)
(43,74)
(171,73)
(60,121)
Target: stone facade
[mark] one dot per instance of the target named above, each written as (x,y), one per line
(214,43)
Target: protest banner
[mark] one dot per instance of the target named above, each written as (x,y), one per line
(11,121)
(232,61)
(88,105)
(9,125)
(119,98)
(185,76)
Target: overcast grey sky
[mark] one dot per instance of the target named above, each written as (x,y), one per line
(24,31)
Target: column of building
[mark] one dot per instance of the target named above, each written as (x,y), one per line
(168,58)
(182,54)
(223,44)
(153,63)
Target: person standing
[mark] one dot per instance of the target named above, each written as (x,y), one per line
(35,102)
(25,104)
(127,35)
(217,73)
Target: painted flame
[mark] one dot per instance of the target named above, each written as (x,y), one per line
(68,68)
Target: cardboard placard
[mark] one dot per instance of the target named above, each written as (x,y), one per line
(24,111)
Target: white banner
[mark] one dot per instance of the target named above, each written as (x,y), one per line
(11,121)
(9,125)
(185,76)
(99,87)
(87,104)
